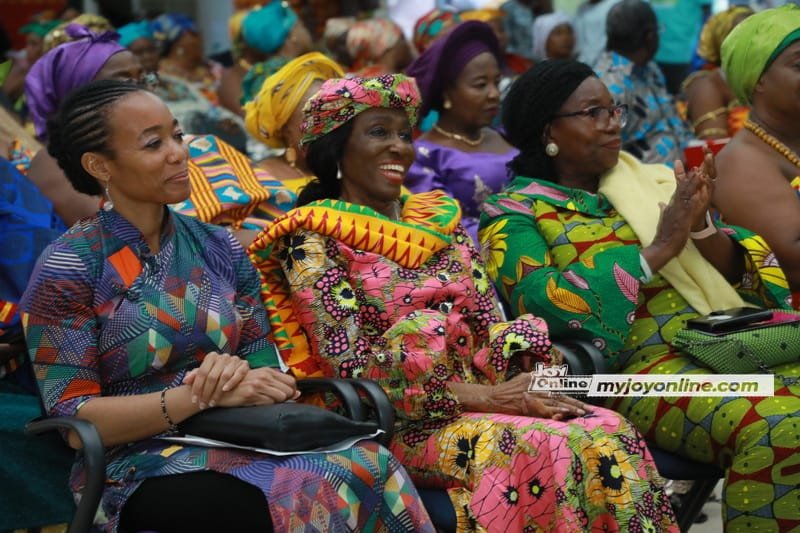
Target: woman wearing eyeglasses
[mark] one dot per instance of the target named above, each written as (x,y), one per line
(620,253)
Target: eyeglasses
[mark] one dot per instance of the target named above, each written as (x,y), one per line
(601,115)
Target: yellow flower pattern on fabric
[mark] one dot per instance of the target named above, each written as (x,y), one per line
(493,246)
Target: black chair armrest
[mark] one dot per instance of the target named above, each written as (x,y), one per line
(382,407)
(582,357)
(94,460)
(342,389)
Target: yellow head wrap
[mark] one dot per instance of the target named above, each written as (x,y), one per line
(280,95)
(716,29)
(483,15)
(57,36)
(752,45)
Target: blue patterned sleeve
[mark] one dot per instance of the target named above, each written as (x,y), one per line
(255,343)
(61,330)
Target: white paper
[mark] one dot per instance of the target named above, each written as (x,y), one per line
(191,440)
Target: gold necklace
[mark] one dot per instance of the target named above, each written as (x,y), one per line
(772,142)
(460,138)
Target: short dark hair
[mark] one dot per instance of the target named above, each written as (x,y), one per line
(81,125)
(529,107)
(628,24)
(323,158)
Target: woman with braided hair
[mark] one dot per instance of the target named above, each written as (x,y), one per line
(620,253)
(156,316)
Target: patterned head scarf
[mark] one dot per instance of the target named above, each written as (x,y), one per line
(368,40)
(433,25)
(716,29)
(39,28)
(339,100)
(64,69)
(134,31)
(266,28)
(169,27)
(254,78)
(58,35)
(754,44)
(281,93)
(543,26)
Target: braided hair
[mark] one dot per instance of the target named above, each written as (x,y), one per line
(530,105)
(323,159)
(81,125)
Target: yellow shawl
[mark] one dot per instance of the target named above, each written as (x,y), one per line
(635,190)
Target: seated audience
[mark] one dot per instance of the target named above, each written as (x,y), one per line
(621,254)
(389,287)
(182,53)
(513,64)
(377,46)
(245,55)
(141,347)
(711,108)
(553,37)
(655,132)
(275,30)
(459,77)
(275,115)
(434,24)
(759,170)
(590,29)
(194,111)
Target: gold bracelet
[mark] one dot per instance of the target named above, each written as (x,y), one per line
(709,116)
(173,427)
(715,132)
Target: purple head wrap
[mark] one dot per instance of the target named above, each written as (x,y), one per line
(441,63)
(65,68)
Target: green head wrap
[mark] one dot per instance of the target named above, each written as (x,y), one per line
(754,44)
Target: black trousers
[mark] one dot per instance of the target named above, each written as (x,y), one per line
(196,501)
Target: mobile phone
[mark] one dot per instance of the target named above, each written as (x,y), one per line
(729,319)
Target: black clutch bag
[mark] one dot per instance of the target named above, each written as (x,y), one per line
(288,427)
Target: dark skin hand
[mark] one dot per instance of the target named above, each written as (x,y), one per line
(685,213)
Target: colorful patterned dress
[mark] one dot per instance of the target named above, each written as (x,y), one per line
(469,177)
(125,321)
(571,257)
(408,304)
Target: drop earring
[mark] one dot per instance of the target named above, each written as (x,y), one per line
(447,104)
(291,156)
(108,205)
(338,172)
(551,149)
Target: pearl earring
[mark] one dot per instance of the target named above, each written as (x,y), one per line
(108,205)
(447,104)
(551,149)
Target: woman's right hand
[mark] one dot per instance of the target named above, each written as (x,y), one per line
(677,217)
(261,386)
(512,397)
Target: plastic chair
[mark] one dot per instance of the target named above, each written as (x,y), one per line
(346,391)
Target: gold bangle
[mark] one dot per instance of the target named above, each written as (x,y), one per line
(709,116)
(714,132)
(173,427)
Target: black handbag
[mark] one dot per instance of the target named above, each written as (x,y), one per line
(287,427)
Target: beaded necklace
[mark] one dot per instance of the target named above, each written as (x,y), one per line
(772,142)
